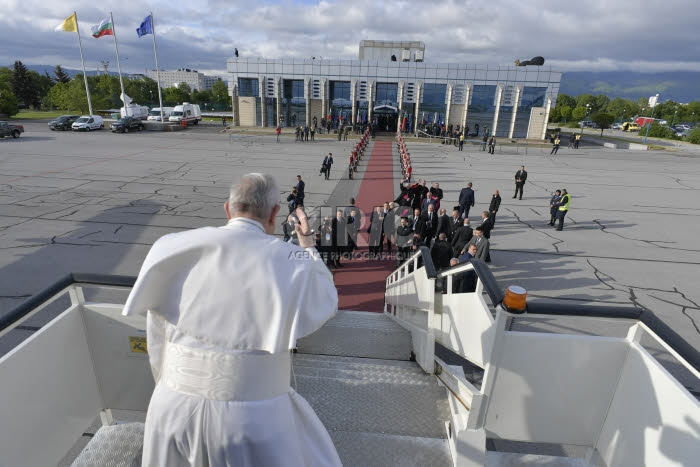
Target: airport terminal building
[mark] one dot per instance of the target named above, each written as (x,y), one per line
(393,84)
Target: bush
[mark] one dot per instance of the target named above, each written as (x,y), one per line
(658,131)
(694,136)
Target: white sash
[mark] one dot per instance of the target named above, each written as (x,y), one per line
(223,376)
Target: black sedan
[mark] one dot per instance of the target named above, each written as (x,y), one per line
(126,124)
(63,122)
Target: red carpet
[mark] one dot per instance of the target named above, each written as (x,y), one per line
(360,282)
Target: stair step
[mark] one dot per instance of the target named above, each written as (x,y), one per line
(380,450)
(359,334)
(407,404)
(512,459)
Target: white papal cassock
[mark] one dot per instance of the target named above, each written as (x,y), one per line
(225,306)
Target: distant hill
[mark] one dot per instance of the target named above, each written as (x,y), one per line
(679,86)
(70,72)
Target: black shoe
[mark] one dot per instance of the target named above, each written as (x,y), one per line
(513,197)
(521,198)
(558,229)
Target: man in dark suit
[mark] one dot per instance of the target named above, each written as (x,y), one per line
(462,236)
(486,225)
(493,207)
(327,163)
(430,219)
(520,177)
(455,223)
(466,201)
(339,238)
(441,253)
(404,233)
(443,224)
(353,227)
(300,190)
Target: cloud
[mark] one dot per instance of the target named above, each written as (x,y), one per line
(593,35)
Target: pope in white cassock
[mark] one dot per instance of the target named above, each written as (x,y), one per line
(224,308)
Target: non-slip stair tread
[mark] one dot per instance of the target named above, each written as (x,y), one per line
(357,449)
(361,369)
(359,334)
(377,407)
(511,459)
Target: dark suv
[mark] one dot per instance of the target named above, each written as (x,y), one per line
(63,122)
(126,124)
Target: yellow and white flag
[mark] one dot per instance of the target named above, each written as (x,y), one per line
(69,25)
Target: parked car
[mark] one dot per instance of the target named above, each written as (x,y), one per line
(616,126)
(8,129)
(126,124)
(88,122)
(64,122)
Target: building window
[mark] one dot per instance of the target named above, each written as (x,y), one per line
(248,87)
(340,90)
(387,94)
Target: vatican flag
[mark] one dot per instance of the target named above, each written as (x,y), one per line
(69,25)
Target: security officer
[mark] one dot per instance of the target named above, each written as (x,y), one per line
(563,208)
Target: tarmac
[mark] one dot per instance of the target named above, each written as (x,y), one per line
(96,202)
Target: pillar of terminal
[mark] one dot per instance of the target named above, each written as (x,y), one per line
(400,100)
(450,90)
(235,121)
(278,96)
(419,89)
(518,91)
(467,95)
(353,99)
(499,97)
(546,118)
(370,100)
(263,106)
(307,99)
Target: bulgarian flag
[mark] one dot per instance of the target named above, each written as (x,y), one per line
(105,28)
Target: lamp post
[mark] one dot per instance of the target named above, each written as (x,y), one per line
(674,117)
(652,103)
(584,118)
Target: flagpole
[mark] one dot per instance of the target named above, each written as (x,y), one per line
(119,66)
(155,52)
(82,61)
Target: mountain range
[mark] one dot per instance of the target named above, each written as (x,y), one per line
(679,86)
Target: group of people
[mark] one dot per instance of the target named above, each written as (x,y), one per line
(559,207)
(296,196)
(405,156)
(357,153)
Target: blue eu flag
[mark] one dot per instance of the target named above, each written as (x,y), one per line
(146,26)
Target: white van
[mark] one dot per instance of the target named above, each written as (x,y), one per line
(155,113)
(133,110)
(189,112)
(88,122)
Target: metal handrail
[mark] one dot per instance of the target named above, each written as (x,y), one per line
(561,308)
(57,287)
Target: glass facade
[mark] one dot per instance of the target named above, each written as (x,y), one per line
(482,108)
(293,103)
(332,80)
(341,105)
(248,87)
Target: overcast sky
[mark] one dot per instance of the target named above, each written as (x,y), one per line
(587,35)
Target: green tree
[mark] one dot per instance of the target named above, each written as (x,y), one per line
(219,92)
(24,86)
(8,101)
(176,95)
(142,90)
(565,112)
(61,75)
(589,99)
(603,120)
(566,100)
(658,131)
(554,115)
(579,113)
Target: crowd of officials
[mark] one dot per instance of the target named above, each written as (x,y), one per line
(417,217)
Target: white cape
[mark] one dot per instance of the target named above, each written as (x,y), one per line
(232,289)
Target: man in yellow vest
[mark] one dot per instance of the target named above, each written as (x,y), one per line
(563,208)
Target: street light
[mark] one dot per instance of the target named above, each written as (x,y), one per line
(584,118)
(674,117)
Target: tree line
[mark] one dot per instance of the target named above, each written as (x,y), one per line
(24,88)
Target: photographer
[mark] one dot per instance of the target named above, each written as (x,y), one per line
(292,200)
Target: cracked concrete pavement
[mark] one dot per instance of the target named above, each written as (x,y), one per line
(95,202)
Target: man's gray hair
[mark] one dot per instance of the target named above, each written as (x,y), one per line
(255,194)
